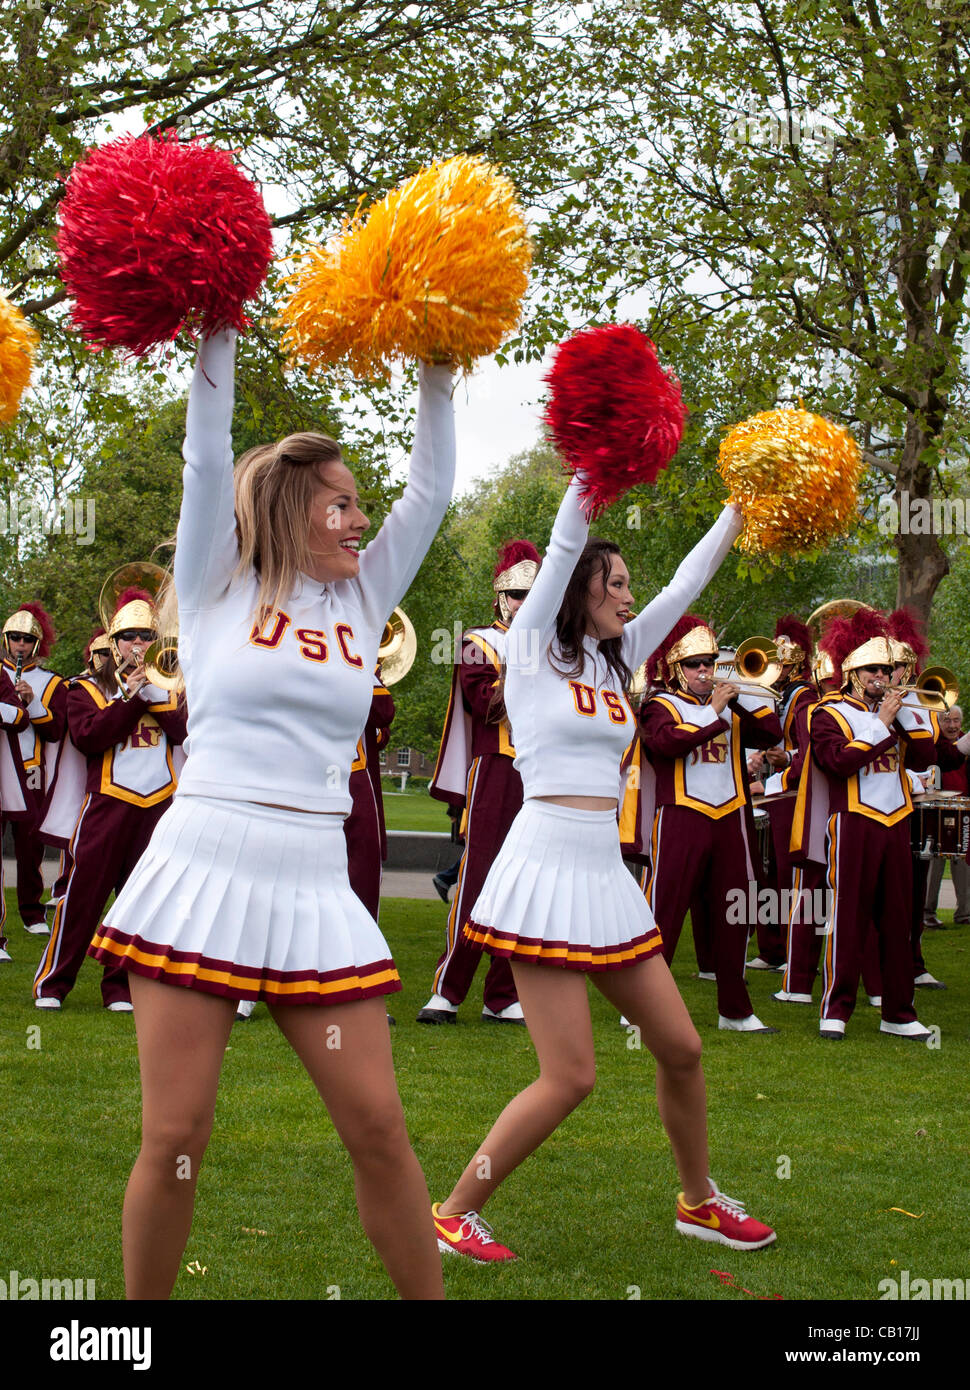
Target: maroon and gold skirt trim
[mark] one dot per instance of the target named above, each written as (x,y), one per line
(196,971)
(564,953)
(559,893)
(249,902)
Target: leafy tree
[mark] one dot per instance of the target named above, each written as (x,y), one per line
(789,181)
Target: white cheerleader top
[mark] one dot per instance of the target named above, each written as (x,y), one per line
(275,708)
(570,733)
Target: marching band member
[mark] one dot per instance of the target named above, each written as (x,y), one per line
(28,636)
(952,779)
(909,651)
(14,718)
(559,902)
(127,730)
(243,892)
(68,778)
(793,643)
(805,933)
(476,769)
(853,808)
(364,829)
(695,732)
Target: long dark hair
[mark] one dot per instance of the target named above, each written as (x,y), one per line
(571,620)
(571,627)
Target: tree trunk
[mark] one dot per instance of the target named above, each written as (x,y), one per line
(922,560)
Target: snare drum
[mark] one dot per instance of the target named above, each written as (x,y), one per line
(940,827)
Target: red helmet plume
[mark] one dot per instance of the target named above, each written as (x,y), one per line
(843,636)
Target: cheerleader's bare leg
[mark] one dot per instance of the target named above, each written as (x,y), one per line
(556,1008)
(346,1048)
(646,994)
(182,1036)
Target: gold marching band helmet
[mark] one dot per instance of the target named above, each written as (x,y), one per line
(22,621)
(399,647)
(161,657)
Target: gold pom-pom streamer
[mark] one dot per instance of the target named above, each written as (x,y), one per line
(17,342)
(795,476)
(436,270)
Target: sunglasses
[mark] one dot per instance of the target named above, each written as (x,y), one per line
(21,637)
(879,670)
(695,663)
(139,634)
(516,593)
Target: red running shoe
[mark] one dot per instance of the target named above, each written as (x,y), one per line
(468,1235)
(724,1220)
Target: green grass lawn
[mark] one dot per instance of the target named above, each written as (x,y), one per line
(415,810)
(863,1127)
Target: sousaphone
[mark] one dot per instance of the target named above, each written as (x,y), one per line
(399,647)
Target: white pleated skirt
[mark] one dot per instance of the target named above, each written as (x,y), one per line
(249,902)
(558,893)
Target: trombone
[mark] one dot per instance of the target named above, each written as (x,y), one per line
(754,670)
(935,689)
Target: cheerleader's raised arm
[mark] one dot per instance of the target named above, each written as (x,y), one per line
(645,633)
(392,559)
(207,550)
(540,609)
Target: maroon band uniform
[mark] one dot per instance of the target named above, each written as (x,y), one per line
(364,828)
(130,781)
(13,718)
(34,750)
(859,791)
(475,766)
(702,830)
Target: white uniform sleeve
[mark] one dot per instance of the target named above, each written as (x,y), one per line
(534,624)
(206,548)
(695,572)
(390,562)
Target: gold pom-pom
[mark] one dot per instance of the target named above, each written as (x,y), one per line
(17,342)
(436,270)
(795,477)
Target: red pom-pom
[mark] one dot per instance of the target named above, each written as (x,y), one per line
(614,413)
(160,234)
